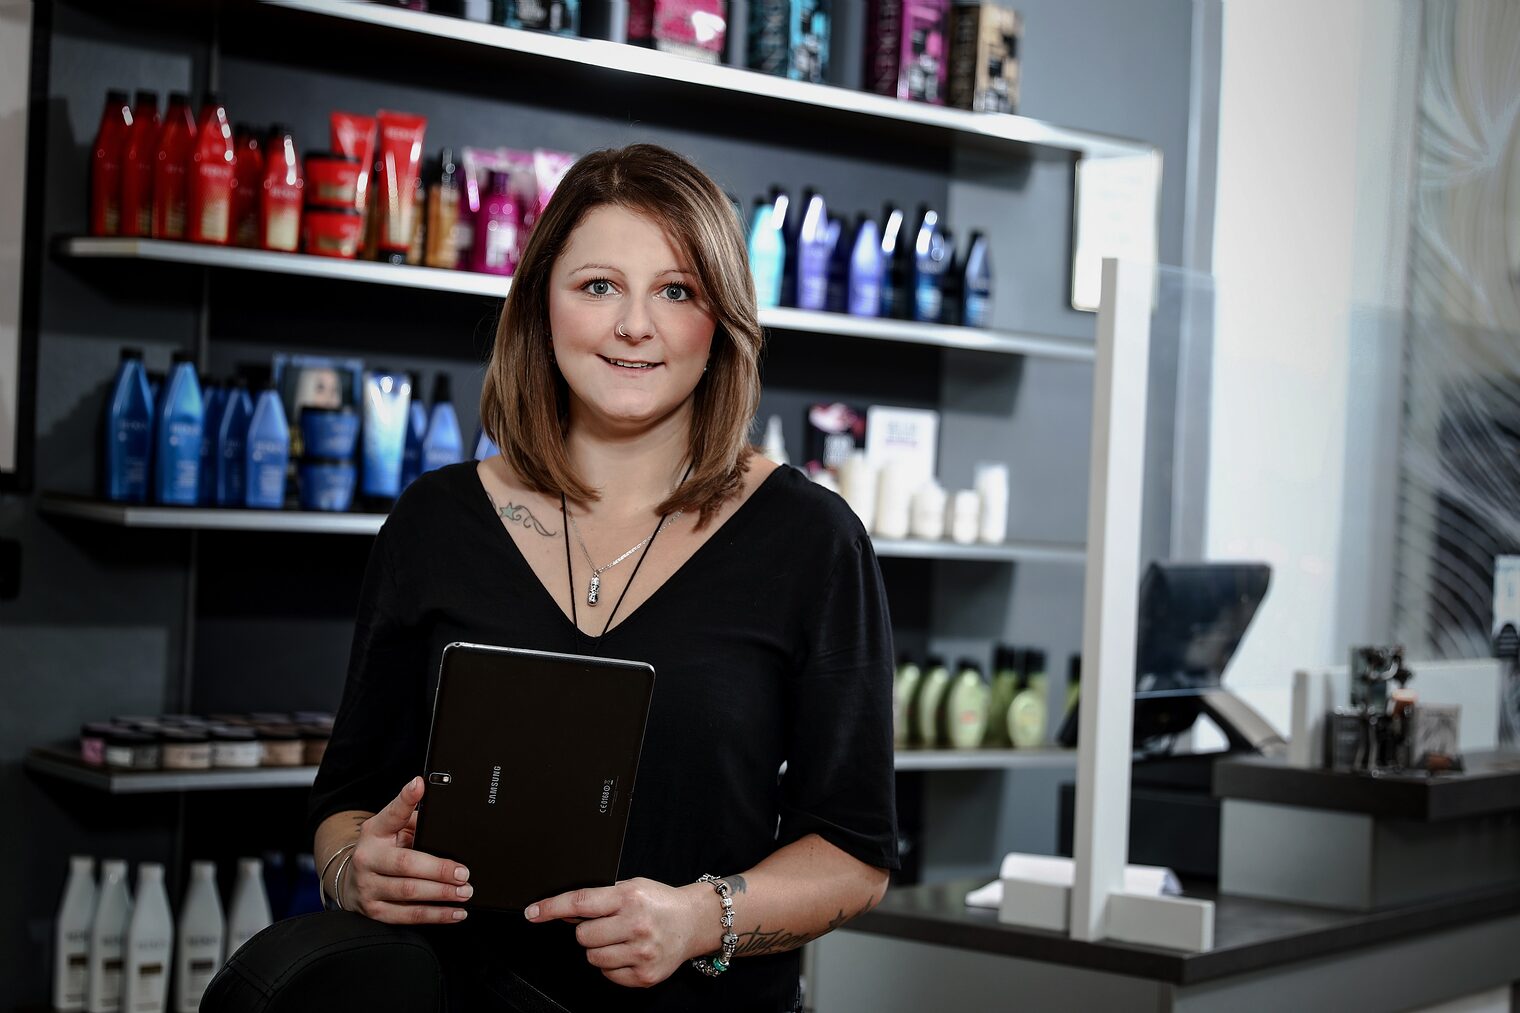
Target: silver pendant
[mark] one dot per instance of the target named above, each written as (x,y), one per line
(596,583)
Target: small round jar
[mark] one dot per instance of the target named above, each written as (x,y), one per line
(329,232)
(132,750)
(330,433)
(283,746)
(327,484)
(929,512)
(233,746)
(92,742)
(186,750)
(332,181)
(314,739)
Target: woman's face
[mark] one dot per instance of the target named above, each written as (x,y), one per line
(631,331)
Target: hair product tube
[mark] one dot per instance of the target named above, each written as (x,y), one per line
(400,159)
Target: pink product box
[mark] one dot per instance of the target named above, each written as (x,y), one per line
(695,29)
(909,49)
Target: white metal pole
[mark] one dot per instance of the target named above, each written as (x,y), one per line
(1117,471)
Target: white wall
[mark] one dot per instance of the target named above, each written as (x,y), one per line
(1313,148)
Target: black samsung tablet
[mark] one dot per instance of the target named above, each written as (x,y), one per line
(530,769)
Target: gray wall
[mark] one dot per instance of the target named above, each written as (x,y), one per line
(100,625)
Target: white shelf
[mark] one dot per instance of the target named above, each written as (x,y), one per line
(66,765)
(206,255)
(986,759)
(984,128)
(143,515)
(139,515)
(494,287)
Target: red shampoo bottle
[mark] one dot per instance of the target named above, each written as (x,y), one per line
(213,166)
(247,183)
(280,204)
(170,190)
(138,160)
(106,164)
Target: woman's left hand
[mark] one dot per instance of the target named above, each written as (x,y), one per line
(638,932)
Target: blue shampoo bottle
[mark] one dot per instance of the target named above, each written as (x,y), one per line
(215,397)
(813,255)
(484,448)
(177,438)
(268,452)
(416,432)
(791,239)
(864,296)
(232,444)
(127,440)
(444,444)
(978,283)
(767,250)
(896,265)
(930,259)
(841,236)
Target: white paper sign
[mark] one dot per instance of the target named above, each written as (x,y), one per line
(1117,201)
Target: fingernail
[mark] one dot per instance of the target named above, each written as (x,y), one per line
(466,892)
(461,915)
(461,874)
(531,913)
(416,782)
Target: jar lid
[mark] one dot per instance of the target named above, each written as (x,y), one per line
(315,731)
(278,733)
(233,733)
(313,717)
(269,718)
(227,719)
(97,729)
(127,737)
(185,736)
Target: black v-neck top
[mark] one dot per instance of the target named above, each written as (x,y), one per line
(772,644)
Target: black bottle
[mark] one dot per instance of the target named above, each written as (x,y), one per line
(952,284)
(896,265)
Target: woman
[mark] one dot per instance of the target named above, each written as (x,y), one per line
(624,378)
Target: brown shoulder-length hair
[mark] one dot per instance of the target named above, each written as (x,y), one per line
(524,406)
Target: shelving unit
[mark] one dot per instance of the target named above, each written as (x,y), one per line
(131,515)
(493,287)
(65,765)
(997,129)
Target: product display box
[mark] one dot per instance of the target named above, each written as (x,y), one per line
(790,38)
(562,17)
(984,57)
(695,29)
(907,41)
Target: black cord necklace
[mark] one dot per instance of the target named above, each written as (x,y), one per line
(570,571)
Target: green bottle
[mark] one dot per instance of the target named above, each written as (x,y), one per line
(963,715)
(1073,682)
(925,709)
(1005,685)
(1026,716)
(905,687)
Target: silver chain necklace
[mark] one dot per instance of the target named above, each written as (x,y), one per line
(594,590)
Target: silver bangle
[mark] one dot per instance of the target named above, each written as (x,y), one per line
(338,881)
(322,876)
(720,962)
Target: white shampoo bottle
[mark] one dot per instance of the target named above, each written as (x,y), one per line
(108,930)
(198,949)
(71,939)
(249,912)
(149,946)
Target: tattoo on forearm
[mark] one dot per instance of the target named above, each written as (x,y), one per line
(760,942)
(519,514)
(737,884)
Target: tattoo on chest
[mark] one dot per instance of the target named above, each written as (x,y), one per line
(516,513)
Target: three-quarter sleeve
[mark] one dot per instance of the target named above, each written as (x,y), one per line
(839,780)
(375,740)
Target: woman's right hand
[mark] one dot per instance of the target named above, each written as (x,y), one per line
(389,881)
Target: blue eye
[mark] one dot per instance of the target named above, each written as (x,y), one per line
(598,288)
(677,293)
